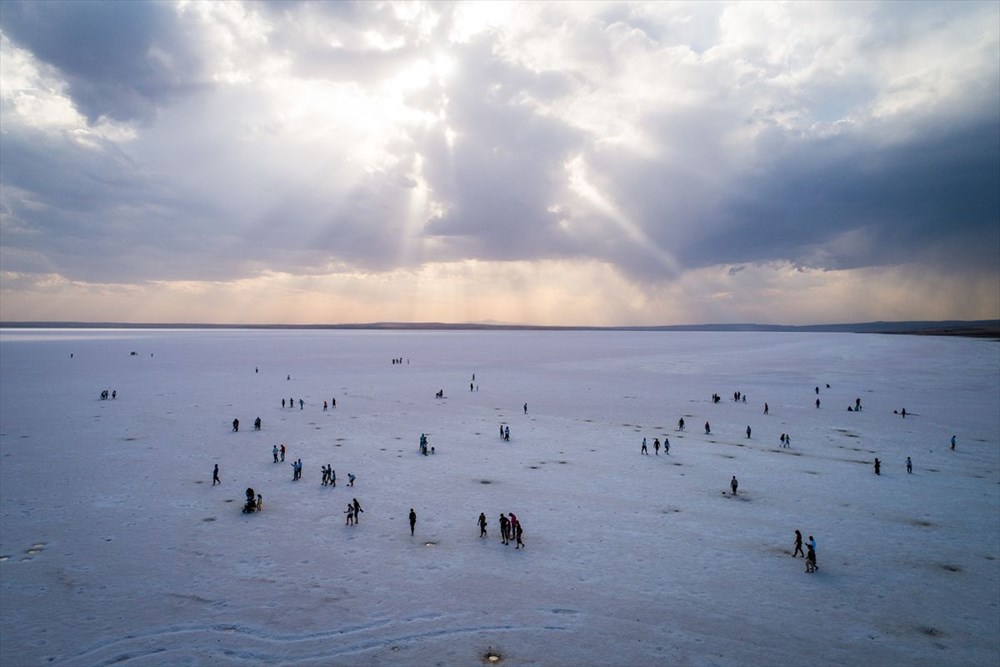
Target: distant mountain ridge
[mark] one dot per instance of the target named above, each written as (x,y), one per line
(974,328)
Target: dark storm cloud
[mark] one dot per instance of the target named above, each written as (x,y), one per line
(120,59)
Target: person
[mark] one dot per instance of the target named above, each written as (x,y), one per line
(656,445)
(413,520)
(812,543)
(504,529)
(350,514)
(765,408)
(282,404)
(215,476)
(953,443)
(666,445)
(333,402)
(525,408)
(513,526)
(274,451)
(358,511)
(878,466)
(326,475)
(811,559)
(325,406)
(733,484)
(256,424)
(782,439)
(817,404)
(482,524)
(333,477)
(506,433)
(904,413)
(817,390)
(350,479)
(517,535)
(857,404)
(798,545)
(748,432)
(680,424)
(301,403)
(643,450)
(909,465)
(260,502)
(236,425)
(282,453)
(708,429)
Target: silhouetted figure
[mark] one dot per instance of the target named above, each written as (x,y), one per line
(482,524)
(708,429)
(215,475)
(878,467)
(733,484)
(909,465)
(413,520)
(798,545)
(236,425)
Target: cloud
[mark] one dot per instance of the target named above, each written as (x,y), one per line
(217,143)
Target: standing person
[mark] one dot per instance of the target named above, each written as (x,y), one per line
(953,443)
(708,428)
(513,525)
(733,484)
(215,476)
(274,451)
(656,445)
(517,535)
(817,404)
(643,450)
(765,408)
(680,424)
(482,524)
(504,529)
(333,476)
(878,466)
(282,403)
(413,520)
(256,424)
(525,408)
(748,432)
(282,453)
(909,465)
(358,511)
(350,514)
(236,425)
(798,545)
(301,404)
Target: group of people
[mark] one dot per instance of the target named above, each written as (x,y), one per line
(423,445)
(256,424)
(510,529)
(253,504)
(296,470)
(354,513)
(656,446)
(105,394)
(505,433)
(809,555)
(291,403)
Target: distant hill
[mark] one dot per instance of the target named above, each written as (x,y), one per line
(972,328)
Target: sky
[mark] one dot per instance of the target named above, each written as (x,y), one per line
(561,163)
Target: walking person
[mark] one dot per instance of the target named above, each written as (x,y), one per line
(644,450)
(798,545)
(215,476)
(656,445)
(358,511)
(666,445)
(413,520)
(748,432)
(517,535)
(811,559)
(274,451)
(708,429)
(482,524)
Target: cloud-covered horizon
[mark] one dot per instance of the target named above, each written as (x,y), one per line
(552,163)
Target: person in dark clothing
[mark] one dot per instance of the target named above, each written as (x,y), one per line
(643,449)
(482,524)
(748,432)
(504,529)
(215,476)
(236,425)
(708,428)
(413,519)
(733,484)
(680,424)
(517,535)
(798,545)
(811,559)
(878,467)
(256,424)
(358,511)
(909,465)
